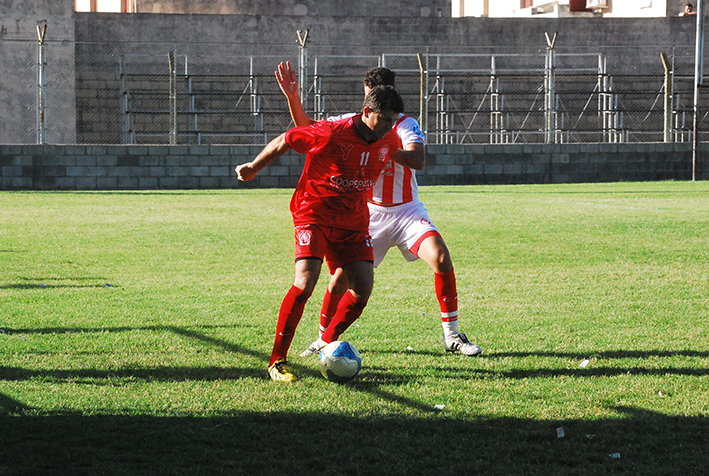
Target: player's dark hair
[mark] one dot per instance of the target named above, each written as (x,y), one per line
(379,77)
(383,98)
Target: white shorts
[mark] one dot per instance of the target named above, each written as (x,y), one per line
(401,226)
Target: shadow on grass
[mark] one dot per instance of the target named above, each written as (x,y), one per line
(54,286)
(289,443)
(379,376)
(279,443)
(616,354)
(52,282)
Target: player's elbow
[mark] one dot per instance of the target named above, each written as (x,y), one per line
(417,160)
(416,155)
(419,163)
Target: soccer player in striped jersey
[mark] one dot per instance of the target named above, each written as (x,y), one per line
(397,217)
(329,208)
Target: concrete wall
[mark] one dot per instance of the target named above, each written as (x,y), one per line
(264,32)
(218,42)
(371,8)
(77,167)
(18,56)
(343,28)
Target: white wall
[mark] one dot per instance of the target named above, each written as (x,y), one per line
(507,8)
(637,9)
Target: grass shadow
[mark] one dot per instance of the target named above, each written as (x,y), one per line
(615,354)
(55,286)
(285,443)
(51,282)
(177,374)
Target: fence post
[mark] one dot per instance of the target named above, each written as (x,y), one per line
(497,124)
(41,86)
(668,99)
(255,98)
(423,96)
(698,73)
(550,92)
(303,66)
(318,103)
(173,97)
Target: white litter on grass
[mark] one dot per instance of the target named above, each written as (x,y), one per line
(560,432)
(584,363)
(615,455)
(439,407)
(44,285)
(411,349)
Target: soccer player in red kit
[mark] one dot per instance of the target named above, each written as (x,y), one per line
(397,217)
(329,208)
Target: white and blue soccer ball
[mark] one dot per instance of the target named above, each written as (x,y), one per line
(339,361)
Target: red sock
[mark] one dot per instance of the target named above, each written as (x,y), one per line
(347,312)
(447,295)
(288,319)
(329,308)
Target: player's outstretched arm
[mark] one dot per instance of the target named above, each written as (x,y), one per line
(413,155)
(276,148)
(288,82)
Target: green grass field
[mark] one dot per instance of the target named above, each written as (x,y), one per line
(135,330)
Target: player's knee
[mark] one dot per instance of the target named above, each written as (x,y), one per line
(437,257)
(306,281)
(361,295)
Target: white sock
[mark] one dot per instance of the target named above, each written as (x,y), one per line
(450,323)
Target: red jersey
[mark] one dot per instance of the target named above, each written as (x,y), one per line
(397,183)
(340,167)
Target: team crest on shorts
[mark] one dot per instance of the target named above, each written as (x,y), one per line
(425,222)
(304,237)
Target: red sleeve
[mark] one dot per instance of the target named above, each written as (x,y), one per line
(310,138)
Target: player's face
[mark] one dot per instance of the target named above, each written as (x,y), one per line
(380,122)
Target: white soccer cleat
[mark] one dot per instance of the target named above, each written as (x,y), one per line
(460,343)
(314,348)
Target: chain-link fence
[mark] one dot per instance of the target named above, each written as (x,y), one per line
(132,93)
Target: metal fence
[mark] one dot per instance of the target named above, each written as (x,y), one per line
(130,93)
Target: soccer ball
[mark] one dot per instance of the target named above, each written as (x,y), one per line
(339,361)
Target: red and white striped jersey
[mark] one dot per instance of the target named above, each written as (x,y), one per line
(397,184)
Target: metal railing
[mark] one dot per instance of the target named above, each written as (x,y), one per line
(132,93)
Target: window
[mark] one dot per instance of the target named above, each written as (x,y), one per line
(108,6)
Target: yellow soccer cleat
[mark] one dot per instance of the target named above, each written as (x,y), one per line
(279,371)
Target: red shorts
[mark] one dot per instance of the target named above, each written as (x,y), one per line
(339,247)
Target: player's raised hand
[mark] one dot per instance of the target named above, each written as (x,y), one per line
(287,79)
